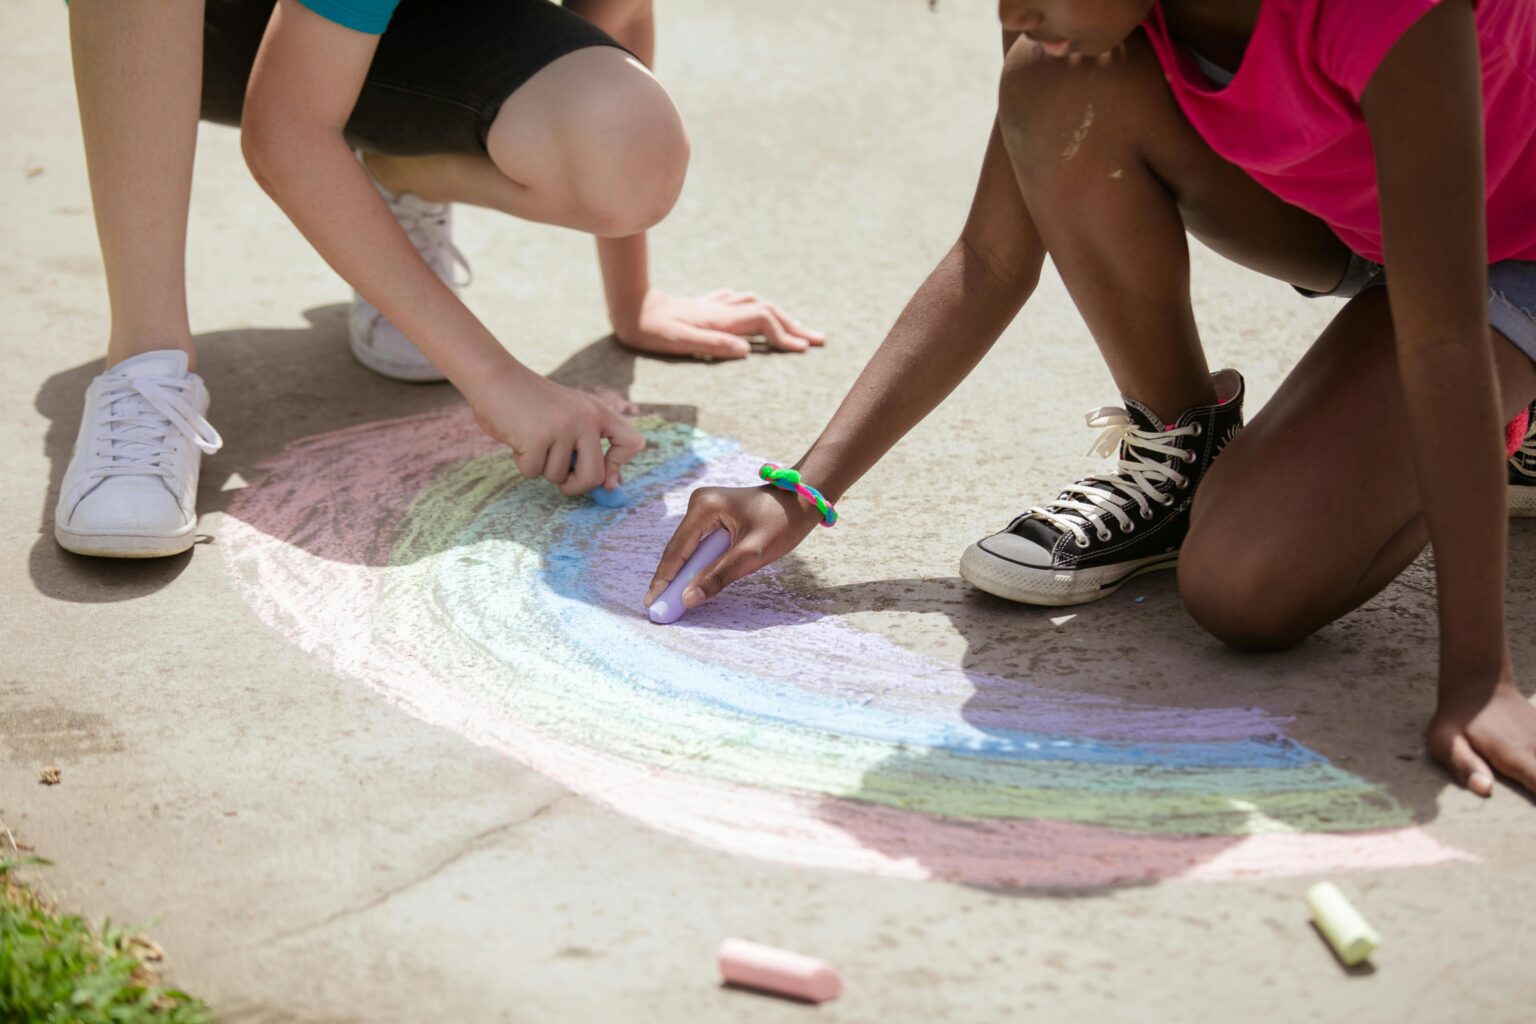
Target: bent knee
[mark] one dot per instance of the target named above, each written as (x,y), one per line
(627,154)
(598,136)
(1032,83)
(1048,107)
(637,187)
(1245,598)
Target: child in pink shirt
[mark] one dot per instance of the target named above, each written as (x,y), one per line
(1381,151)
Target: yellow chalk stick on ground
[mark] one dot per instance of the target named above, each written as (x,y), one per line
(1350,934)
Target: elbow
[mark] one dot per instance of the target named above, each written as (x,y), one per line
(261,150)
(269,143)
(1018,272)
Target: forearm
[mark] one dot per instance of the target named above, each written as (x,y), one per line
(625,266)
(945,330)
(310,172)
(953,320)
(1423,107)
(1460,469)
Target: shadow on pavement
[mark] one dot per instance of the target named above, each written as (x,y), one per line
(271,387)
(1358,697)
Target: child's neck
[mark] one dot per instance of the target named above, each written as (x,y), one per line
(1218,30)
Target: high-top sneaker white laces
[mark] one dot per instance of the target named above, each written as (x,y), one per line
(1109,528)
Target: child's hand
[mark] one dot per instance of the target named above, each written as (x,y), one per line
(545,424)
(765,524)
(713,326)
(1498,735)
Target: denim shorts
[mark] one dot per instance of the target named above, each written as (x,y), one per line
(440,75)
(1511,295)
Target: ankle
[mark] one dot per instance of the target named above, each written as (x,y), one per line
(119,349)
(1169,404)
(419,176)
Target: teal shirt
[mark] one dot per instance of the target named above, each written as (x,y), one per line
(371,16)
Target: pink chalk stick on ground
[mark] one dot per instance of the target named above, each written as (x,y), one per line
(668,608)
(778,970)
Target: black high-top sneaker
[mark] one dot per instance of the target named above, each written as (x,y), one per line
(1107,529)
(1522,472)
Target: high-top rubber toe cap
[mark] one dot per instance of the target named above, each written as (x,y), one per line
(1013,548)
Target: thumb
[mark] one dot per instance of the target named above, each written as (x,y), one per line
(624,443)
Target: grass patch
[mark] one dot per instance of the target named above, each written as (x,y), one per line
(56,969)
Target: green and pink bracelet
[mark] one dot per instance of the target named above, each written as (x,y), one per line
(789,480)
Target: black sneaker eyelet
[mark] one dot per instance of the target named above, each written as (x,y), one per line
(1189,456)
(1198,430)
(1105,536)
(1146,513)
(1081,542)
(1129,527)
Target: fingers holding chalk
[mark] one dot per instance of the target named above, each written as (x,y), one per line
(669,607)
(601,495)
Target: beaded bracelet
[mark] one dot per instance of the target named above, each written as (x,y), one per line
(789,480)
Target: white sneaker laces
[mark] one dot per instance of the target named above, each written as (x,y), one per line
(136,439)
(428,230)
(1137,477)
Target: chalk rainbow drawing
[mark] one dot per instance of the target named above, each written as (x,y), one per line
(410,555)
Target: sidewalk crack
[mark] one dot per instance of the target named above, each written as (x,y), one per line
(471,845)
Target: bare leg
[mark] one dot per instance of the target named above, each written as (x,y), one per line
(1314,508)
(592,142)
(1113,174)
(138,74)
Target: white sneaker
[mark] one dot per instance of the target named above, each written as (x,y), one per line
(377,343)
(131,487)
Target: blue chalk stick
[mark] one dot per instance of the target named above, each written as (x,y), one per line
(615,498)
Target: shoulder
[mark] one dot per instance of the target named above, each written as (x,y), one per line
(1351,38)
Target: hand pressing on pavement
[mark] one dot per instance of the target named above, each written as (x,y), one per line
(713,326)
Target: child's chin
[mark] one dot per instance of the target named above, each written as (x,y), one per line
(1099,49)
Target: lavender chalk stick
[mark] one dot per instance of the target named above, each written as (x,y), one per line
(668,608)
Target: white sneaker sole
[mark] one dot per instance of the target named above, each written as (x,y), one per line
(1522,502)
(1053,587)
(410,373)
(120,545)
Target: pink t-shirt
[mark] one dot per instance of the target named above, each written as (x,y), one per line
(1291,115)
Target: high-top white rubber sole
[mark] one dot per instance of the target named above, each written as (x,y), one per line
(1054,587)
(1522,502)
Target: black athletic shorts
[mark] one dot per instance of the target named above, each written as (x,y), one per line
(440,75)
